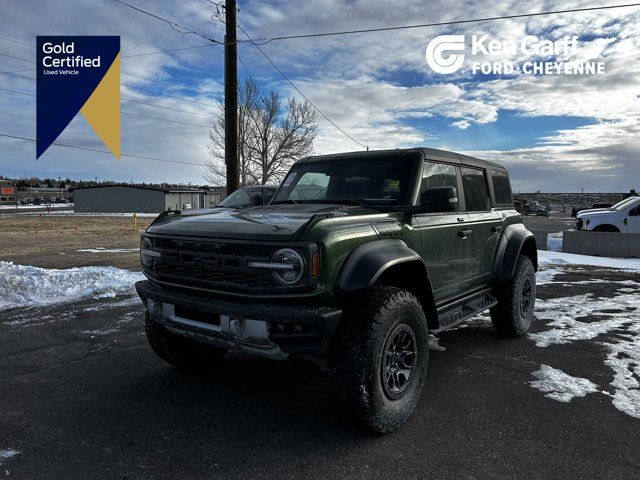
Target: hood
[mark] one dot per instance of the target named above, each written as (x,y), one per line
(277,222)
(593,211)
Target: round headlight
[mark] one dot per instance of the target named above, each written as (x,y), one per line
(292,266)
(145,247)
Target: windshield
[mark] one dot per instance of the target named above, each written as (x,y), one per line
(370,181)
(248,197)
(625,203)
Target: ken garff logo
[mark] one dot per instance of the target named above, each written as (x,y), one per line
(441,56)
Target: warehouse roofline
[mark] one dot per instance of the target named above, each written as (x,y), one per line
(144,187)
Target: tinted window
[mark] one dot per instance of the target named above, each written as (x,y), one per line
(435,176)
(501,188)
(476,193)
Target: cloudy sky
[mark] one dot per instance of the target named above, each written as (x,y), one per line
(554,132)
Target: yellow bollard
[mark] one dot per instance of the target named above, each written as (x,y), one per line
(135,221)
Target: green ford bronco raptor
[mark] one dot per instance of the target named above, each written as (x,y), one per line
(356,260)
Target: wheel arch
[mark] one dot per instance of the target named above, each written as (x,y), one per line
(606,227)
(388,262)
(515,241)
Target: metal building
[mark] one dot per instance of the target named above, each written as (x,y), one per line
(135,199)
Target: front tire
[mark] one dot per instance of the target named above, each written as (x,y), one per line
(183,353)
(513,314)
(378,359)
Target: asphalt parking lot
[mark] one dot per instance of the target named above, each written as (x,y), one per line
(84,397)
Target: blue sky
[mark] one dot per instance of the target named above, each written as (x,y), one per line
(554,132)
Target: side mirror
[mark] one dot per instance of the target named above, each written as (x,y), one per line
(439,199)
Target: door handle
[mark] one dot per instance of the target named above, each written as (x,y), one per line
(464,233)
(496,229)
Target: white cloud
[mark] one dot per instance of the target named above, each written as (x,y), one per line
(461,124)
(375,86)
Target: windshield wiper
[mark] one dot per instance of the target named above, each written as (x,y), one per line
(288,200)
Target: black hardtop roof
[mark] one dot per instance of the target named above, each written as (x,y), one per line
(429,153)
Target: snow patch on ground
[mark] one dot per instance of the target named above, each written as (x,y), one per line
(107,250)
(561,386)
(546,274)
(560,258)
(586,317)
(7,454)
(434,344)
(26,286)
(564,314)
(554,242)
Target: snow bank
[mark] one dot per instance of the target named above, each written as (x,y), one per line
(25,286)
(561,386)
(560,258)
(107,250)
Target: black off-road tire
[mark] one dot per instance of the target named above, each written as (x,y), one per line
(179,351)
(369,326)
(513,314)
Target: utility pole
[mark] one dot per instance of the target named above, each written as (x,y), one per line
(231,97)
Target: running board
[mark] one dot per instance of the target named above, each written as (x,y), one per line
(460,310)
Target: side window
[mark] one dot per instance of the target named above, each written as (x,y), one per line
(437,181)
(476,193)
(502,189)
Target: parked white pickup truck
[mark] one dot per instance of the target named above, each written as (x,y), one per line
(622,217)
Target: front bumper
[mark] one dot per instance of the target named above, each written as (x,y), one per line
(264,329)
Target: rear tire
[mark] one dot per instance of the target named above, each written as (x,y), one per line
(512,316)
(179,351)
(378,358)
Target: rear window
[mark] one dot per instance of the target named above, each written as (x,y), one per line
(476,193)
(502,189)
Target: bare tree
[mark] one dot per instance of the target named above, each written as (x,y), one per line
(270,136)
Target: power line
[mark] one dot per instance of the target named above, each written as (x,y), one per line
(165,119)
(16,75)
(172,24)
(127,56)
(169,50)
(300,92)
(167,108)
(124,113)
(17,91)
(266,40)
(66,145)
(16,41)
(130,100)
(17,58)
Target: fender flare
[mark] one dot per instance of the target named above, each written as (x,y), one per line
(515,240)
(370,260)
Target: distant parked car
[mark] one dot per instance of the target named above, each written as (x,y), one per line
(28,201)
(622,217)
(253,196)
(543,211)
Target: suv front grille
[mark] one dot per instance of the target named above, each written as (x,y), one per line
(218,265)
